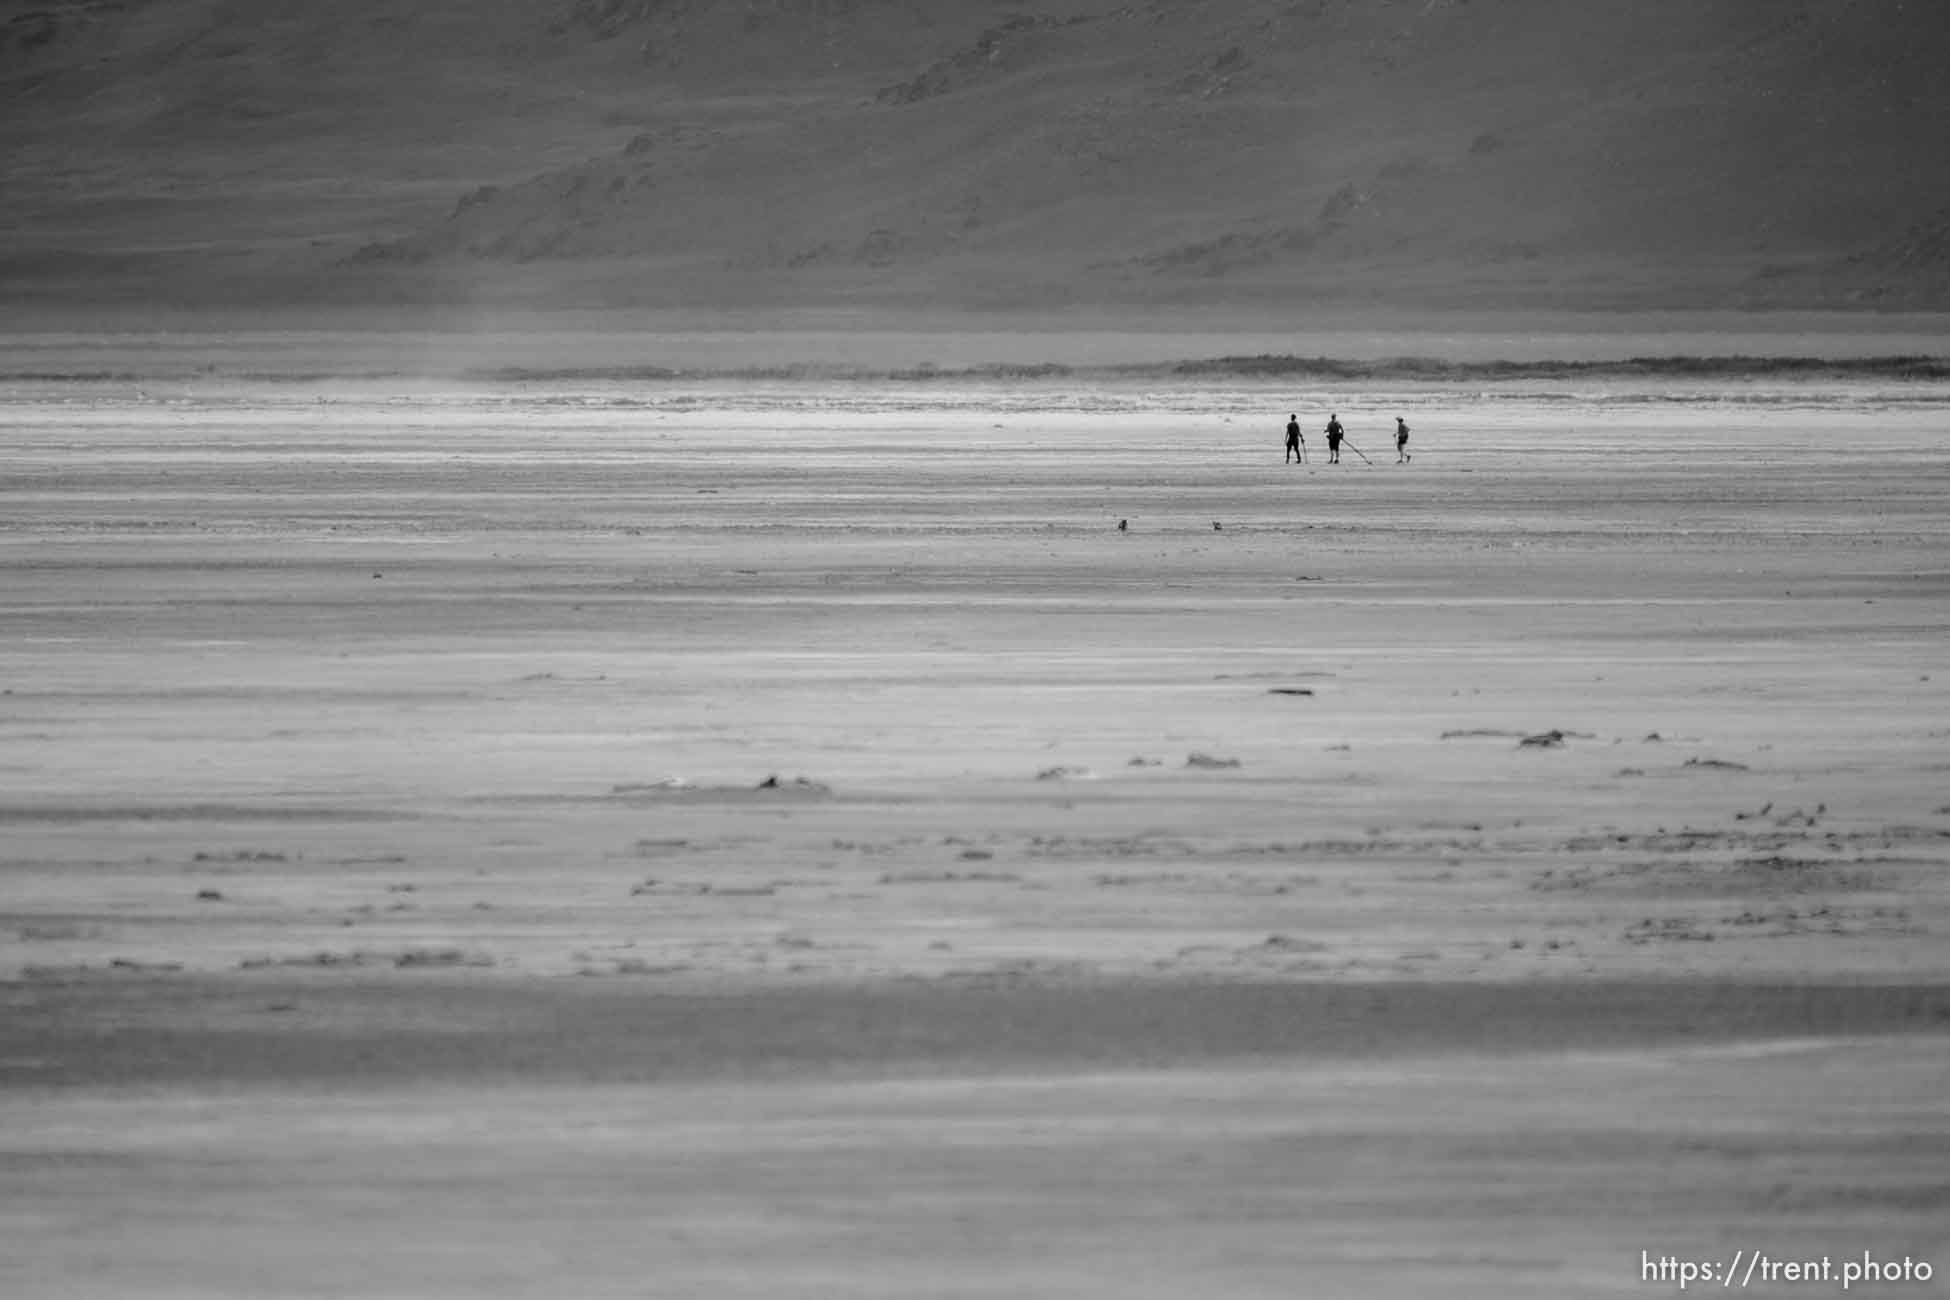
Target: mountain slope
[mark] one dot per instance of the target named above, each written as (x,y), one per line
(773,152)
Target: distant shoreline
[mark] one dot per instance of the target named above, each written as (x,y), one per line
(1913,368)
(1273,366)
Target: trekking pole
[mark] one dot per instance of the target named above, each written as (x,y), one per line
(1357,451)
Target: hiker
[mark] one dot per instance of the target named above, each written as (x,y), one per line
(1296,446)
(1401,442)
(1334,435)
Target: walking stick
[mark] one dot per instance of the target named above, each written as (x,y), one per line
(1357,451)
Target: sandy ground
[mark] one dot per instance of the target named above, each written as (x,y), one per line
(754,840)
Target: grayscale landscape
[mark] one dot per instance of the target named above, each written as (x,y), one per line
(662,649)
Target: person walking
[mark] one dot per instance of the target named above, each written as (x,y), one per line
(1401,442)
(1296,446)
(1334,435)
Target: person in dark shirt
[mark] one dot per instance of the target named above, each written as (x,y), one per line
(1334,435)
(1296,446)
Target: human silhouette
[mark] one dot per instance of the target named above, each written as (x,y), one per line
(1296,446)
(1401,442)
(1334,435)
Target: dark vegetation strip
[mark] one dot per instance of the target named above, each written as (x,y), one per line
(1721,367)
(147,1029)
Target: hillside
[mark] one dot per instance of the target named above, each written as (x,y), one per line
(864,153)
